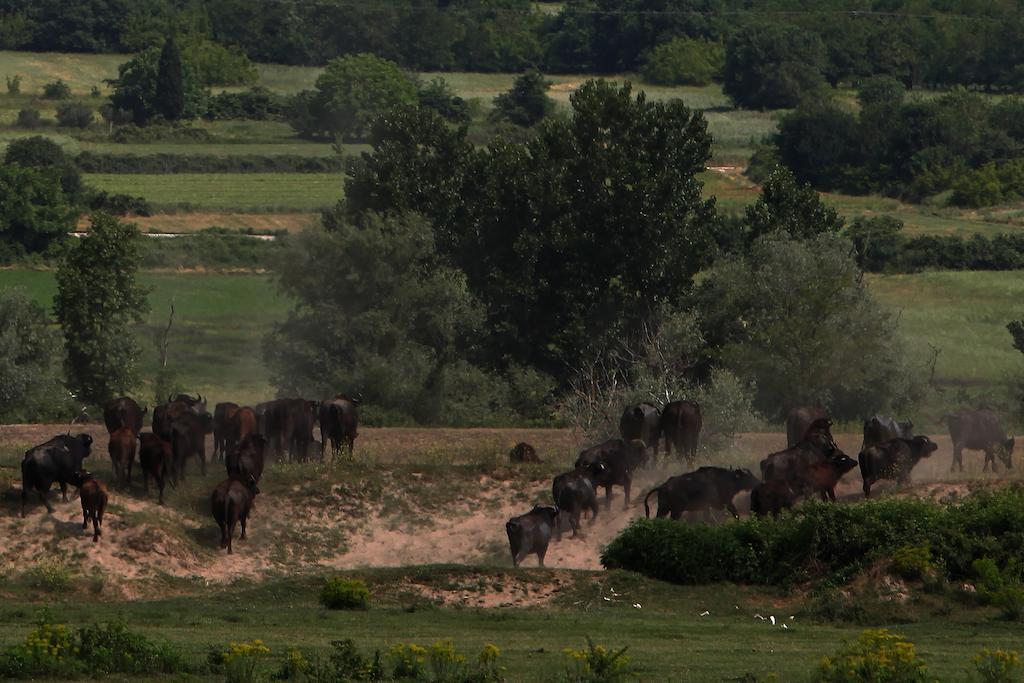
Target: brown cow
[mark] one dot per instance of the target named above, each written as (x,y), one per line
(620,459)
(799,420)
(893,459)
(530,534)
(641,421)
(243,423)
(979,430)
(815,464)
(247,459)
(523,452)
(123,412)
(122,454)
(230,504)
(157,462)
(339,424)
(222,414)
(681,422)
(94,497)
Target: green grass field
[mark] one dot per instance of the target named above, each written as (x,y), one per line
(219,323)
(227,191)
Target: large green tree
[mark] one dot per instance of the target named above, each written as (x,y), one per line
(170,82)
(30,377)
(527,102)
(97,302)
(34,210)
(786,205)
(136,88)
(773,66)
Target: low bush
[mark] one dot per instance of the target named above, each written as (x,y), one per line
(210,248)
(74,115)
(29,118)
(13,84)
(96,162)
(877,656)
(339,593)
(595,664)
(254,104)
(56,90)
(997,666)
(913,562)
(820,540)
(239,662)
(999,588)
(131,133)
(118,204)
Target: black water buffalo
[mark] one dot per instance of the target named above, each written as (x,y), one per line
(771,497)
(57,460)
(815,464)
(165,415)
(530,534)
(231,503)
(300,443)
(893,459)
(799,420)
(243,423)
(641,421)
(188,438)
(156,460)
(523,452)
(247,459)
(288,425)
(681,422)
(339,423)
(222,414)
(620,459)
(574,493)
(881,428)
(979,430)
(701,491)
(122,448)
(123,412)
(94,496)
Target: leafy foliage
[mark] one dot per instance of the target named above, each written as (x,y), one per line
(339,593)
(136,88)
(56,90)
(877,656)
(527,103)
(74,115)
(596,664)
(30,382)
(97,300)
(684,61)
(789,207)
(772,66)
(34,210)
(169,98)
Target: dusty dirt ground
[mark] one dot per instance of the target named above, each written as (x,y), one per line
(337,526)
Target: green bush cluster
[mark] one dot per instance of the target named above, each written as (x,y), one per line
(835,541)
(991,184)
(56,90)
(211,248)
(239,662)
(1001,588)
(997,666)
(53,650)
(255,104)
(103,162)
(339,593)
(595,664)
(877,656)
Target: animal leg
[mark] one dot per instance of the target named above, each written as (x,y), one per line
(242,522)
(540,555)
(957,459)
(63,492)
(85,517)
(96,533)
(867,488)
(223,535)
(608,497)
(231,532)
(732,509)
(989,458)
(625,487)
(43,499)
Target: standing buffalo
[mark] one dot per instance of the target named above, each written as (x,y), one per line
(771,497)
(893,459)
(681,422)
(122,454)
(339,423)
(94,496)
(641,421)
(246,461)
(799,420)
(620,459)
(523,452)
(222,414)
(188,438)
(288,425)
(706,489)
(573,493)
(57,460)
(231,503)
(880,428)
(979,430)
(123,412)
(243,423)
(165,415)
(815,464)
(156,460)
(530,533)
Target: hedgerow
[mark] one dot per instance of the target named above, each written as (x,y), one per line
(100,162)
(822,540)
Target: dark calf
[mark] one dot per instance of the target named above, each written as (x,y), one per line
(246,461)
(523,452)
(530,534)
(231,503)
(94,497)
(157,462)
(573,492)
(122,454)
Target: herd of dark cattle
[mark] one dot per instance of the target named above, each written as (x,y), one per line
(243,437)
(812,464)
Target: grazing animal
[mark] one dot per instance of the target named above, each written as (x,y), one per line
(300,443)
(94,497)
(681,422)
(979,430)
(246,461)
(188,438)
(530,534)
(122,454)
(57,460)
(165,415)
(815,464)
(222,414)
(893,459)
(641,421)
(881,428)
(701,491)
(123,412)
(620,459)
(771,497)
(157,462)
(288,425)
(339,424)
(799,420)
(243,423)
(573,493)
(231,503)
(523,452)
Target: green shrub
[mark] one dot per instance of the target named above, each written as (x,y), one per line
(997,666)
(440,663)
(684,61)
(913,562)
(239,662)
(29,118)
(595,664)
(13,84)
(339,593)
(74,115)
(877,656)
(56,90)
(102,162)
(49,576)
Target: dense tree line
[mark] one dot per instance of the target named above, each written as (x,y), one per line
(927,43)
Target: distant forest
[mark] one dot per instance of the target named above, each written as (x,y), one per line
(924,43)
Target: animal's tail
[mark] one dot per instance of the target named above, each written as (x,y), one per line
(647,509)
